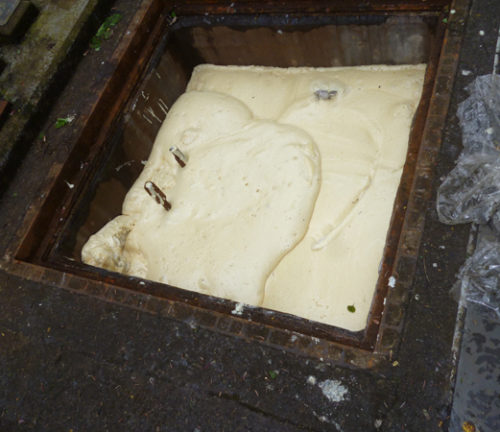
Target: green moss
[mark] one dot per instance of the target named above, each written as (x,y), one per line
(105,31)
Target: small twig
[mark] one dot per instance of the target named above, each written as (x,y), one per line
(425,271)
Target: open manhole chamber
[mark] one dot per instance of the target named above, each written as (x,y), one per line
(155,64)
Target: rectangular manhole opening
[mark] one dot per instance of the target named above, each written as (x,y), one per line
(102,170)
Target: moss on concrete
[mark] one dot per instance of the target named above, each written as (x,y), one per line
(32,63)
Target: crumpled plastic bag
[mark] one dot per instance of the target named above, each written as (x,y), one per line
(471,191)
(482,271)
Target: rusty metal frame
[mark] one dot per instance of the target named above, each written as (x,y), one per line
(381,337)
